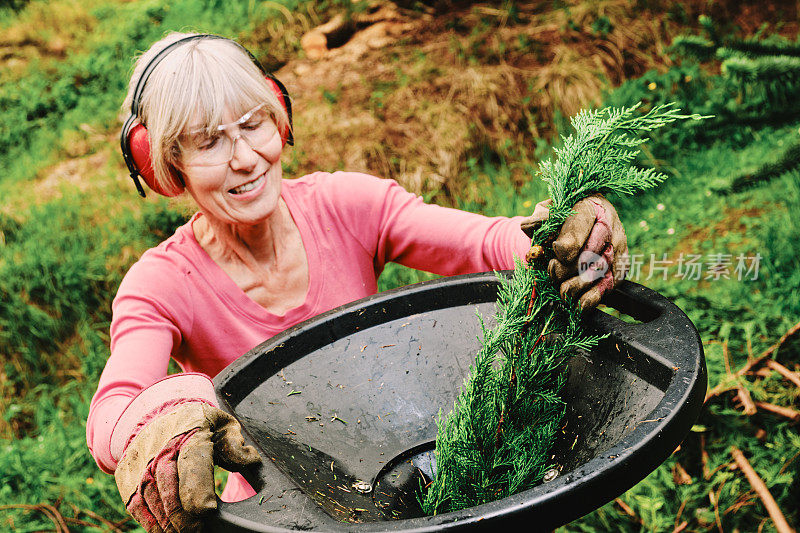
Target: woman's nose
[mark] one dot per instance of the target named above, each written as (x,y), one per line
(243,157)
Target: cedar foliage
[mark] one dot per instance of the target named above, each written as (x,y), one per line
(495,441)
(766,78)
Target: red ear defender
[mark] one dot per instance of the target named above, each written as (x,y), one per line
(139,142)
(287,136)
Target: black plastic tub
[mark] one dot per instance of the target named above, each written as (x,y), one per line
(343,410)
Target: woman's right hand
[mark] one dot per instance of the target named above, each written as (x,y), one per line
(166,474)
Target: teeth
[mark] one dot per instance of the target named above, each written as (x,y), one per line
(248,186)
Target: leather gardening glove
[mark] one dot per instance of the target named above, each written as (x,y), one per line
(591,250)
(166,474)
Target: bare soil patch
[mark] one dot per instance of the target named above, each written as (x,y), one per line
(413,95)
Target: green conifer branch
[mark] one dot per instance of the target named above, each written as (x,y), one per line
(694,46)
(506,417)
(704,49)
(753,49)
(785,69)
(766,75)
(710,28)
(787,161)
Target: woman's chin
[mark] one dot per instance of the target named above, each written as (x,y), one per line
(249,203)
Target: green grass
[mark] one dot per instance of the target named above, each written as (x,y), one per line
(738,313)
(52,464)
(63,253)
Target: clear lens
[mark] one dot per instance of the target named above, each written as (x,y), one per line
(202,148)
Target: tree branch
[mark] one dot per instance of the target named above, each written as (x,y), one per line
(783,371)
(763,492)
(766,354)
(786,412)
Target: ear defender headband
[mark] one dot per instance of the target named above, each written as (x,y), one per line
(134,140)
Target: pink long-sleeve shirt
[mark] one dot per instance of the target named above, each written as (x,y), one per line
(177,302)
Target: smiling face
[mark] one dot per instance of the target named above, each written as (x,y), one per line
(233,171)
(206,82)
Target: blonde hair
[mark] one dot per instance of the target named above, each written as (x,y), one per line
(196,81)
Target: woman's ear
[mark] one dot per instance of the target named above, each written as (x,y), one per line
(174,166)
(177,174)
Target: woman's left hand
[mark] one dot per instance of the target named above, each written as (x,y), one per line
(591,250)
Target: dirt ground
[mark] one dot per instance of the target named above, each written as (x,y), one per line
(439,84)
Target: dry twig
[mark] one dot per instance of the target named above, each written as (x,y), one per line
(109,524)
(681,527)
(719,389)
(715,503)
(678,517)
(785,412)
(769,351)
(680,476)
(79,522)
(783,371)
(746,400)
(704,458)
(752,363)
(761,489)
(789,462)
(742,501)
(626,508)
(762,372)
(49,511)
(726,357)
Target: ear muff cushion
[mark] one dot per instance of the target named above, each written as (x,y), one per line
(140,150)
(286,134)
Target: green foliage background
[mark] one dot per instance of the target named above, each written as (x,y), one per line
(63,253)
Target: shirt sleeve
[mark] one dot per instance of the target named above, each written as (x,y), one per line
(150,310)
(396,225)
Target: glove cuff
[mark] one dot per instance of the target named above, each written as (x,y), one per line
(159,411)
(149,400)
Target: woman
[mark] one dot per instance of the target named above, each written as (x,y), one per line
(260,255)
